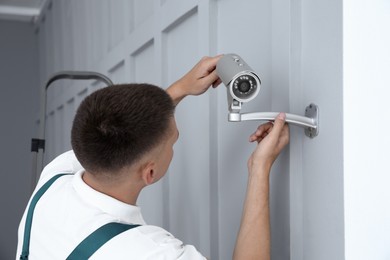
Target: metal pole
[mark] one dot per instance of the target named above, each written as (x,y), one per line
(38,144)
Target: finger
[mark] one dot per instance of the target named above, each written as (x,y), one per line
(263,135)
(215,59)
(265,130)
(262,129)
(211,62)
(208,65)
(257,133)
(285,135)
(267,127)
(279,124)
(210,79)
(217,83)
(252,138)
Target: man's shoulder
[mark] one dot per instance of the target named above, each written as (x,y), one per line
(64,163)
(152,241)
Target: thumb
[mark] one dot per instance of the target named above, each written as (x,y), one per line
(279,123)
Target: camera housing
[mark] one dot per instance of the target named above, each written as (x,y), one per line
(242,83)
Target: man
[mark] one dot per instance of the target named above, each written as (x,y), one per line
(122,139)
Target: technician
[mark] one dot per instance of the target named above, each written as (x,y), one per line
(84,205)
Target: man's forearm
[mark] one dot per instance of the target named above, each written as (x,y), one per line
(176,92)
(253,240)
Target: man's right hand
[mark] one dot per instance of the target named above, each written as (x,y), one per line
(271,139)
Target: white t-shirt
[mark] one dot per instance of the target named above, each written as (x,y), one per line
(70,210)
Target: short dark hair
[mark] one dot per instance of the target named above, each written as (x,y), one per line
(116,125)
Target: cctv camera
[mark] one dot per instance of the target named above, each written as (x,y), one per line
(242,83)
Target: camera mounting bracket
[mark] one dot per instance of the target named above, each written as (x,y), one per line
(235,106)
(309,122)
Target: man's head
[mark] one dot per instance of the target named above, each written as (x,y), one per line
(117,126)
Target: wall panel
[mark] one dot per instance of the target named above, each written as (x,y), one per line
(67,27)
(99,28)
(117,22)
(250,38)
(58,39)
(143,64)
(189,170)
(81,94)
(142,11)
(322,185)
(49,33)
(42,53)
(117,73)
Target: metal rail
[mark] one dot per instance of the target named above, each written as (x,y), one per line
(38,144)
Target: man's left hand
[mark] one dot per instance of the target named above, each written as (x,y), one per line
(197,81)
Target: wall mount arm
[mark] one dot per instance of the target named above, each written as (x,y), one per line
(309,122)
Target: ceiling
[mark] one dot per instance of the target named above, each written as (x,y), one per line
(21,10)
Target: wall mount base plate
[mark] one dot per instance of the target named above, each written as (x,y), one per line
(312,111)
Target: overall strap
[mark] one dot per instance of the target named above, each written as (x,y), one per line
(97,239)
(29,217)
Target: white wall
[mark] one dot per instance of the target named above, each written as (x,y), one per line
(318,170)
(297,48)
(366,125)
(18,106)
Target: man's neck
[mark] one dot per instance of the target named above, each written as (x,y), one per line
(126,191)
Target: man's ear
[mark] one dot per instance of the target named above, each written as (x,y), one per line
(148,173)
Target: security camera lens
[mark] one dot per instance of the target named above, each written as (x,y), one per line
(244,86)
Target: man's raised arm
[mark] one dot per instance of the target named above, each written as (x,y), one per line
(253,240)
